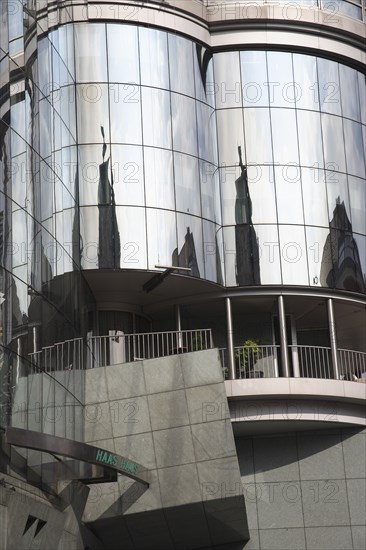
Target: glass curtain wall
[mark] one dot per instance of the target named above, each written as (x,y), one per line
(294,211)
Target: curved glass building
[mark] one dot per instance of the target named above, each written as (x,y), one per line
(175,177)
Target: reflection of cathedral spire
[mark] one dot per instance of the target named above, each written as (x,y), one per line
(109,254)
(187,256)
(247,253)
(341,264)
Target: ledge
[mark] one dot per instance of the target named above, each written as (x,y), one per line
(304,388)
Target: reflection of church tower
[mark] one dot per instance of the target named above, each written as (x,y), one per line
(187,256)
(109,251)
(247,253)
(341,265)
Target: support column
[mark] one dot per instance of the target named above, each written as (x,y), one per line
(333,338)
(283,337)
(230,340)
(178,324)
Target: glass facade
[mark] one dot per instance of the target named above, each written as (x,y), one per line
(248,167)
(297,120)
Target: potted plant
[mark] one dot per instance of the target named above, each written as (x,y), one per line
(246,356)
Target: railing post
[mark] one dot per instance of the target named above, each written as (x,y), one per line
(230,340)
(333,338)
(178,324)
(283,337)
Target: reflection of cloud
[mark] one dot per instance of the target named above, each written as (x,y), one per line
(341,264)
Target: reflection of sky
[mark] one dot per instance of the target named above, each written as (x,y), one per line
(162,236)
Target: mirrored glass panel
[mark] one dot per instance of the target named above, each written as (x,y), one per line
(132,234)
(66,235)
(269,254)
(357,195)
(187,188)
(230,135)
(125,113)
(206,131)
(46,192)
(159,182)
(19,238)
(355,149)
(89,236)
(349,93)
(229,255)
(19,296)
(44,67)
(181,65)
(18,170)
(258,136)
(128,175)
(190,245)
(211,252)
(362,95)
(90,52)
(306,81)
(92,113)
(310,139)
(210,191)
(184,124)
(203,73)
(338,202)
(63,65)
(228,176)
(227,80)
(289,196)
(360,261)
(18,145)
(315,197)
(154,58)
(280,80)
(329,87)
(69,169)
(254,79)
(90,167)
(284,134)
(123,67)
(156,118)
(293,255)
(333,143)
(319,260)
(262,194)
(162,237)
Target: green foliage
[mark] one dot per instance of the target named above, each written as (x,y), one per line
(248,354)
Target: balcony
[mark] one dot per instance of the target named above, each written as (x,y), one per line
(251,362)
(117,348)
(306,362)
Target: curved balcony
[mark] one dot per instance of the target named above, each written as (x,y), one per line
(253,361)
(306,361)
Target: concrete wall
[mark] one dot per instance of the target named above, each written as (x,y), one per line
(305,491)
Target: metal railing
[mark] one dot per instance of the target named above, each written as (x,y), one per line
(312,361)
(252,361)
(100,351)
(305,361)
(352,364)
(115,349)
(67,355)
(256,361)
